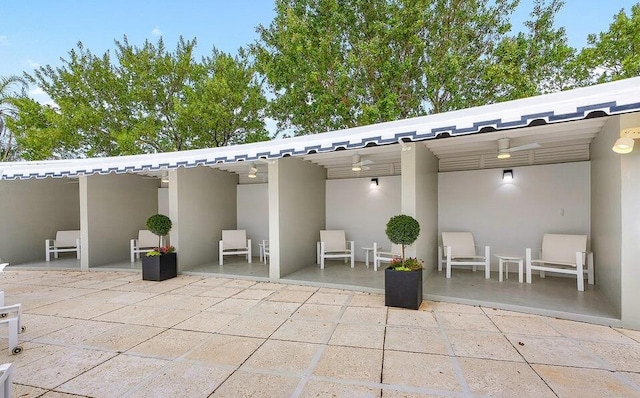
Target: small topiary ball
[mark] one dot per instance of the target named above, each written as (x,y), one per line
(402,229)
(159,224)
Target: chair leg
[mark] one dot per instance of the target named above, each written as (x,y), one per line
(528,257)
(448,262)
(249,258)
(321,255)
(579,271)
(487,263)
(13,334)
(220,255)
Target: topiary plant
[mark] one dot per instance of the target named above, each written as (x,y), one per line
(160,225)
(402,230)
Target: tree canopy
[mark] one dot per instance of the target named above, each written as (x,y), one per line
(144,100)
(614,54)
(320,65)
(335,64)
(7,113)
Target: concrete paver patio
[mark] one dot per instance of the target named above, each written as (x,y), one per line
(109,334)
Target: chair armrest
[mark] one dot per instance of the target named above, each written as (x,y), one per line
(50,242)
(351,244)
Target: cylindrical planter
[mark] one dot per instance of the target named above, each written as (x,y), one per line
(159,268)
(403,288)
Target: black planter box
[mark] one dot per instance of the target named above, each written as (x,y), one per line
(403,288)
(159,268)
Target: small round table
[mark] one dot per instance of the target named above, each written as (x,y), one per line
(503,263)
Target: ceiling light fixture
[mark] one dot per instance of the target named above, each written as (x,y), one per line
(253,171)
(624,144)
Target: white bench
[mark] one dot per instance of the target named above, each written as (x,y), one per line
(146,242)
(65,241)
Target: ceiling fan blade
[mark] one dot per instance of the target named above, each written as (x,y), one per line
(533,145)
(366,162)
(366,167)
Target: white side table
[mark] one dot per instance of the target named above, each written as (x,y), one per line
(503,263)
(368,250)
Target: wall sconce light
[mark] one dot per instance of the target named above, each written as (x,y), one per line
(374,182)
(253,171)
(624,144)
(507,175)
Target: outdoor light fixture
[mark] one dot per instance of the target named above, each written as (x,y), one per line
(504,155)
(253,171)
(624,144)
(507,175)
(356,167)
(374,182)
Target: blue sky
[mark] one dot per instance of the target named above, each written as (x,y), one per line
(39,32)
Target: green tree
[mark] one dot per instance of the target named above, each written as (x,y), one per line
(533,62)
(8,113)
(614,54)
(335,64)
(144,100)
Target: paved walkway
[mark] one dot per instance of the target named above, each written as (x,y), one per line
(109,334)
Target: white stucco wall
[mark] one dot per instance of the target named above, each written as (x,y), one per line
(116,208)
(297,205)
(630,229)
(606,226)
(362,210)
(32,211)
(202,202)
(513,216)
(163,201)
(253,212)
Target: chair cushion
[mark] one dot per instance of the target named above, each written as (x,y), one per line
(334,240)
(67,238)
(462,243)
(146,238)
(561,249)
(234,239)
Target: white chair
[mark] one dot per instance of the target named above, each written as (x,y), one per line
(6,380)
(13,319)
(146,242)
(460,249)
(65,241)
(385,256)
(565,254)
(2,266)
(266,251)
(233,243)
(333,244)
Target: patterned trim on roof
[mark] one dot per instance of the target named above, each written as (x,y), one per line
(607,99)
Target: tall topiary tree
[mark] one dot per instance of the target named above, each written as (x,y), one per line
(160,225)
(402,230)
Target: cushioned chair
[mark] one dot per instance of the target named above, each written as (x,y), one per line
(233,243)
(565,254)
(6,380)
(12,317)
(459,249)
(145,243)
(333,244)
(266,252)
(385,256)
(65,241)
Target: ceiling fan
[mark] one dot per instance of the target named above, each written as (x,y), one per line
(504,152)
(358,164)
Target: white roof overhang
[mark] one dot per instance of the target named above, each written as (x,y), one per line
(614,98)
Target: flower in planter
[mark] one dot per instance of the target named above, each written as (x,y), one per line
(159,251)
(409,264)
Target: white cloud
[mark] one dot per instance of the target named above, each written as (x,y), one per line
(156,31)
(4,40)
(38,95)
(33,63)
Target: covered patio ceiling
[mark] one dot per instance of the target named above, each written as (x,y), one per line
(559,143)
